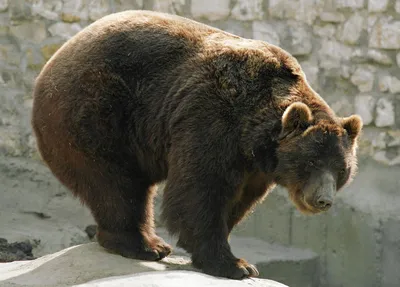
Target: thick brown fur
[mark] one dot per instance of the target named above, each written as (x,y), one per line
(140,97)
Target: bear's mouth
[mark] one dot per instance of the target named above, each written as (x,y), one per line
(313,209)
(302,205)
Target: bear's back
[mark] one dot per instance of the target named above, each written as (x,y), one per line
(146,43)
(126,42)
(137,66)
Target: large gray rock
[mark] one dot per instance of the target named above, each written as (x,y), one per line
(394,85)
(169,6)
(248,10)
(385,34)
(325,30)
(265,32)
(91,265)
(300,40)
(292,266)
(64,30)
(377,5)
(388,83)
(385,116)
(121,5)
(352,29)
(176,279)
(3,5)
(47,9)
(363,78)
(379,57)
(333,17)
(30,32)
(332,53)
(353,4)
(210,9)
(19,10)
(305,11)
(74,11)
(397,6)
(365,107)
(98,9)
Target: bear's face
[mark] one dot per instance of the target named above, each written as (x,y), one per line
(315,160)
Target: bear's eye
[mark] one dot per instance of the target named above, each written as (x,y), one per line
(343,171)
(311,163)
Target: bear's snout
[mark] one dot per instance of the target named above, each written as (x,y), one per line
(325,193)
(324,202)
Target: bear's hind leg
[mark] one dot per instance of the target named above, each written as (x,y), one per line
(126,224)
(122,205)
(130,232)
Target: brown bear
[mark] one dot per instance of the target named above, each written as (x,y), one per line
(140,97)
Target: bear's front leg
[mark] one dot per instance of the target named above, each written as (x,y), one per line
(196,207)
(213,255)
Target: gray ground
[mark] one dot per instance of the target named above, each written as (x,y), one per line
(35,208)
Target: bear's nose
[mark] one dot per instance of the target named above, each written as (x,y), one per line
(324,202)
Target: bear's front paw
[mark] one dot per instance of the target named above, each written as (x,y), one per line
(157,244)
(233,268)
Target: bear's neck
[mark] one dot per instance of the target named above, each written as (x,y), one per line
(259,136)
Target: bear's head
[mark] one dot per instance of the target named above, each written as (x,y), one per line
(316,158)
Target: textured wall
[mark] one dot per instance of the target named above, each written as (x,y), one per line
(349,49)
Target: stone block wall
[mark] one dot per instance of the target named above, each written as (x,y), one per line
(349,49)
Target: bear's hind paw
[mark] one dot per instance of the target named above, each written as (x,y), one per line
(134,245)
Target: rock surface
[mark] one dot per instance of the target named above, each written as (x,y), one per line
(10,252)
(91,265)
(34,207)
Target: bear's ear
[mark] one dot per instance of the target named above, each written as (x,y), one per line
(297,115)
(353,126)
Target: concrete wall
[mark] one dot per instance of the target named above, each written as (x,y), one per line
(350,51)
